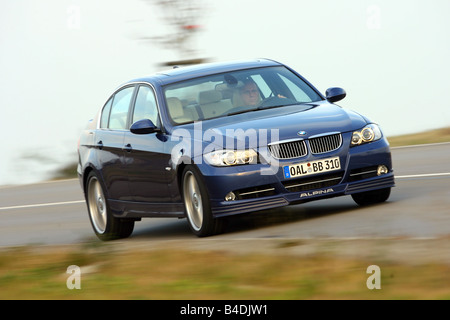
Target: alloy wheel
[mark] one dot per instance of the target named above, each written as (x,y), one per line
(193,201)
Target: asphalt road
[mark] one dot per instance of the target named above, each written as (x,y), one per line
(54,213)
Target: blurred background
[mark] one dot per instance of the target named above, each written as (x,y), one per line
(61,59)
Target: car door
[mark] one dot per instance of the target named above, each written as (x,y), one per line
(144,153)
(109,142)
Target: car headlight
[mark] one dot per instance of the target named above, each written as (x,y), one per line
(222,158)
(367,134)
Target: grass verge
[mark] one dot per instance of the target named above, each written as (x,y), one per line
(173,274)
(432,136)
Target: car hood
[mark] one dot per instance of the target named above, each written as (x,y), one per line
(272,125)
(278,124)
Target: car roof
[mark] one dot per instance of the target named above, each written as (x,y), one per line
(204,69)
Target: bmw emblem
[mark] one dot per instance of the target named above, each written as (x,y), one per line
(301,133)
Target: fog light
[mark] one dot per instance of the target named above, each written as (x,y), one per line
(230,196)
(382,169)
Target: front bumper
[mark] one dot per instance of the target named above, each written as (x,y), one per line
(224,208)
(257,192)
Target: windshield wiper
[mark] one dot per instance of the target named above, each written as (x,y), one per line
(263,108)
(277,106)
(242,111)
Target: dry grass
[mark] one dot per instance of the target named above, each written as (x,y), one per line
(187,274)
(433,136)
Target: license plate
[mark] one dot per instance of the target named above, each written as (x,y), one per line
(312,167)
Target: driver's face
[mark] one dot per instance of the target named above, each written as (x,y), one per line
(250,94)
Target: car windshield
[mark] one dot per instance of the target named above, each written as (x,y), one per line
(232,93)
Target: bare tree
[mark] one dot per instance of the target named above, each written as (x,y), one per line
(182,19)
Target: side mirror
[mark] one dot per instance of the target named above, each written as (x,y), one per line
(143,127)
(335,94)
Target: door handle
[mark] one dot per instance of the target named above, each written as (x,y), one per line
(127,148)
(100,144)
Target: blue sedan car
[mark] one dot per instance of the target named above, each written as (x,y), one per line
(214,140)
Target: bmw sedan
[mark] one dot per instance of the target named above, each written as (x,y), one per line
(209,141)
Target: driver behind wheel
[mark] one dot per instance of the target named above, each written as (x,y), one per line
(250,93)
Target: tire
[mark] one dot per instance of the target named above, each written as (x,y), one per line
(197,204)
(371,197)
(105,225)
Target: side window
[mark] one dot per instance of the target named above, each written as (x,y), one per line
(105,114)
(298,93)
(262,85)
(145,106)
(119,108)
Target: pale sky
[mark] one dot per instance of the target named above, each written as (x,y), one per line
(60,59)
